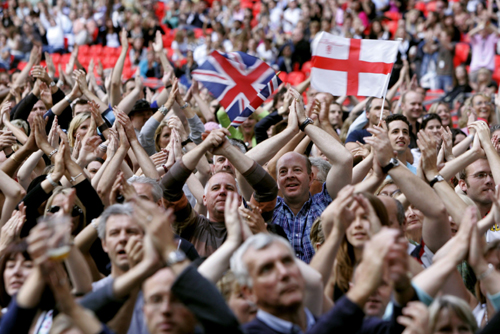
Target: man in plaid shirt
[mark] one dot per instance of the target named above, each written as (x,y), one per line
(296,211)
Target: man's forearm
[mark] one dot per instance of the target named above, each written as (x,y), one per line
(456,165)
(267,149)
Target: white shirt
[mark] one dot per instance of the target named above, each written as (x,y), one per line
(290,18)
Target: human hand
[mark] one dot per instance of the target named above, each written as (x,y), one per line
(172,97)
(428,148)
(476,258)
(46,95)
(158,43)
(112,144)
(298,104)
(77,146)
(447,138)
(124,40)
(100,69)
(40,134)
(293,122)
(81,80)
(360,151)
(11,230)
(369,211)
(340,212)
(35,55)
(176,147)
(158,225)
(482,131)
(215,139)
(125,122)
(415,318)
(53,137)
(477,148)
(59,163)
(175,123)
(124,143)
(96,113)
(89,146)
(253,218)
(159,158)
(66,146)
(380,142)
(37,243)
(134,252)
(38,72)
(50,65)
(368,275)
(495,140)
(58,281)
(233,219)
(398,264)
(6,140)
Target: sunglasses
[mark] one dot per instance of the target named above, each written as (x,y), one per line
(74,213)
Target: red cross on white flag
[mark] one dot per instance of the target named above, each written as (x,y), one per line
(359,67)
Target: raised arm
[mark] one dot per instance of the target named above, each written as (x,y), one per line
(116,77)
(454,204)
(147,166)
(340,174)
(416,191)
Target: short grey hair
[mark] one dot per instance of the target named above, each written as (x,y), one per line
(114,210)
(322,166)
(156,189)
(257,242)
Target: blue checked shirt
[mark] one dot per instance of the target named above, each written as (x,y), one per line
(298,228)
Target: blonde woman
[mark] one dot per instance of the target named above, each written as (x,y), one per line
(78,126)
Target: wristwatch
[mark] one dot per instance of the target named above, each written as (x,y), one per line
(308,121)
(392,163)
(185,105)
(163,110)
(175,257)
(52,84)
(437,178)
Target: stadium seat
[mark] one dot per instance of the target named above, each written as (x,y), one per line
(431,6)
(296,77)
(421,7)
(394,16)
(392,26)
(283,76)
(306,68)
(96,50)
(84,49)
(198,32)
(461,53)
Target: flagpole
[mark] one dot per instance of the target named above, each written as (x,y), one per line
(383,98)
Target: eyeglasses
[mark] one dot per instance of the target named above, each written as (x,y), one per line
(74,213)
(482,175)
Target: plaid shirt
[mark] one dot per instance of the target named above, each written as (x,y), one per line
(298,228)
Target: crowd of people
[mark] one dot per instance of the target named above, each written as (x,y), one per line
(133,209)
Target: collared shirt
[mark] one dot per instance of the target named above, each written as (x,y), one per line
(283,326)
(298,227)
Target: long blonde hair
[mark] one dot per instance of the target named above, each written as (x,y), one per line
(74,125)
(462,122)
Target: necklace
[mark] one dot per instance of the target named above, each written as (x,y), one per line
(486,315)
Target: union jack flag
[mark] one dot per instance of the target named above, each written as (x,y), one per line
(240,82)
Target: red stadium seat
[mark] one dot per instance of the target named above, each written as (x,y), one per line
(84,49)
(395,16)
(392,26)
(283,76)
(306,68)
(295,78)
(96,50)
(461,53)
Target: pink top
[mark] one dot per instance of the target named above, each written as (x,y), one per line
(483,52)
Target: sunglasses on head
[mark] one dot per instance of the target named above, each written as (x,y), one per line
(74,213)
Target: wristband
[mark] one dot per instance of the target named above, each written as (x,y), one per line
(187,141)
(305,123)
(68,99)
(165,169)
(52,84)
(51,181)
(94,224)
(53,152)
(103,127)
(487,272)
(73,178)
(185,106)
